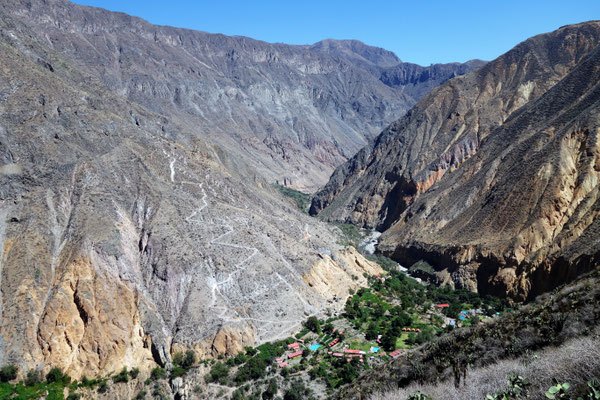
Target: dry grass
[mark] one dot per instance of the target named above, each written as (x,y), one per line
(576,361)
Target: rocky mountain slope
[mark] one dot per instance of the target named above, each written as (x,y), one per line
(292,113)
(492,177)
(125,236)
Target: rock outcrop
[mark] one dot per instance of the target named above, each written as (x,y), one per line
(333,278)
(493,176)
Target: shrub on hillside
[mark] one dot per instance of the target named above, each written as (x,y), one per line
(56,375)
(157,373)
(255,368)
(32,378)
(219,372)
(8,373)
(122,376)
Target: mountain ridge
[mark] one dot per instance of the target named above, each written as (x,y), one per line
(289,112)
(402,183)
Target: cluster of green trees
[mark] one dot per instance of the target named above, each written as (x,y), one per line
(414,294)
(219,373)
(380,317)
(371,307)
(336,371)
(252,365)
(301,199)
(34,386)
(268,393)
(182,362)
(350,235)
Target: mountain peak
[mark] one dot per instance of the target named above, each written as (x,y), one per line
(358,50)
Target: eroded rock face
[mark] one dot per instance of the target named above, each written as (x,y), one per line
(333,278)
(120,245)
(292,113)
(492,177)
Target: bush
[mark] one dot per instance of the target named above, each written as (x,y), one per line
(85,382)
(558,391)
(271,390)
(238,394)
(185,361)
(8,373)
(73,396)
(297,391)
(157,373)
(301,199)
(270,351)
(134,373)
(141,395)
(312,324)
(189,360)
(32,378)
(252,370)
(122,376)
(177,358)
(103,387)
(56,375)
(177,371)
(250,351)
(219,372)
(418,396)
(237,360)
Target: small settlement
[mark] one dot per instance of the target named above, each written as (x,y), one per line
(372,314)
(381,322)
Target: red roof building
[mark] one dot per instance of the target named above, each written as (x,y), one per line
(395,353)
(442,305)
(294,355)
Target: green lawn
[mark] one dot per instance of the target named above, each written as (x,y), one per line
(401,342)
(364,346)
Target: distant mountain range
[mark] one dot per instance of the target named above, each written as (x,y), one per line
(293,113)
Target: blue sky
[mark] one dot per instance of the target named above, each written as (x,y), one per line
(422,32)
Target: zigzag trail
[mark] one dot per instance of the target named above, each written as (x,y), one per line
(197,217)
